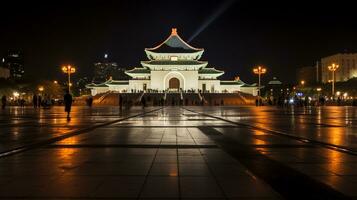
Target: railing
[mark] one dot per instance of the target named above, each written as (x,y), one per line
(104,96)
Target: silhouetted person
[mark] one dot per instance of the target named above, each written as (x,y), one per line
(39,101)
(120,102)
(34,101)
(67,98)
(3,102)
(90,101)
(143,102)
(22,102)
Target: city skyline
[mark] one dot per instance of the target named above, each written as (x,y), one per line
(248,34)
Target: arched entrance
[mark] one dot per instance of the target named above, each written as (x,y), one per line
(174,84)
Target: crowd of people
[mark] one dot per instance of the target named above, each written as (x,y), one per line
(45,102)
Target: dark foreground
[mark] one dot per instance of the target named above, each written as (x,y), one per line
(179,153)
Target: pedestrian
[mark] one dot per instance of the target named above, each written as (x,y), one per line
(143,102)
(22,102)
(90,101)
(67,98)
(120,102)
(3,102)
(39,101)
(34,101)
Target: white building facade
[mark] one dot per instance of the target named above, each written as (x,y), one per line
(174,66)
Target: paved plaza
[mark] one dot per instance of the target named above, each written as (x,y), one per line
(179,153)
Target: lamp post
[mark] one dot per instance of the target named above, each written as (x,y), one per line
(333,68)
(69,70)
(259,70)
(302,83)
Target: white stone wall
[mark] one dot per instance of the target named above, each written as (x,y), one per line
(211,85)
(119,88)
(230,88)
(250,90)
(188,79)
(99,90)
(138,85)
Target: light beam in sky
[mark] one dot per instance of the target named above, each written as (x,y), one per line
(216,14)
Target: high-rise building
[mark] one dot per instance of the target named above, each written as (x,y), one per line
(14,61)
(106,70)
(347,67)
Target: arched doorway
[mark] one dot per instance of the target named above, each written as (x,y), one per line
(174,84)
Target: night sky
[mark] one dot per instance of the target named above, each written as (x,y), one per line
(239,34)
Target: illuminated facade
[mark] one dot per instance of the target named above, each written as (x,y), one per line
(347,67)
(173,66)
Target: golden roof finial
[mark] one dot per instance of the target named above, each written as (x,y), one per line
(174,31)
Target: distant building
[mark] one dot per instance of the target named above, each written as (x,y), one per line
(174,66)
(106,70)
(347,67)
(309,74)
(4,73)
(14,61)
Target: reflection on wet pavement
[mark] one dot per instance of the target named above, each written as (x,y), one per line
(173,153)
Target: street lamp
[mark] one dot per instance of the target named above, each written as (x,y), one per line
(302,82)
(259,70)
(333,68)
(40,88)
(69,70)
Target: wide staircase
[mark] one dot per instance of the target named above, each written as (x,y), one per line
(191,99)
(175,99)
(239,98)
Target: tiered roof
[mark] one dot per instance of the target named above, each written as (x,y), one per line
(169,62)
(210,71)
(174,44)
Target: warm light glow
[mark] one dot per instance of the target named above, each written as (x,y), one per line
(345,94)
(55,82)
(259,70)
(318,89)
(338,93)
(174,31)
(68,69)
(333,67)
(40,88)
(16,94)
(302,82)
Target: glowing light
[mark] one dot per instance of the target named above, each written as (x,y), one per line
(105,55)
(302,82)
(345,94)
(333,67)
(16,94)
(68,69)
(259,70)
(40,88)
(318,89)
(55,82)
(338,93)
